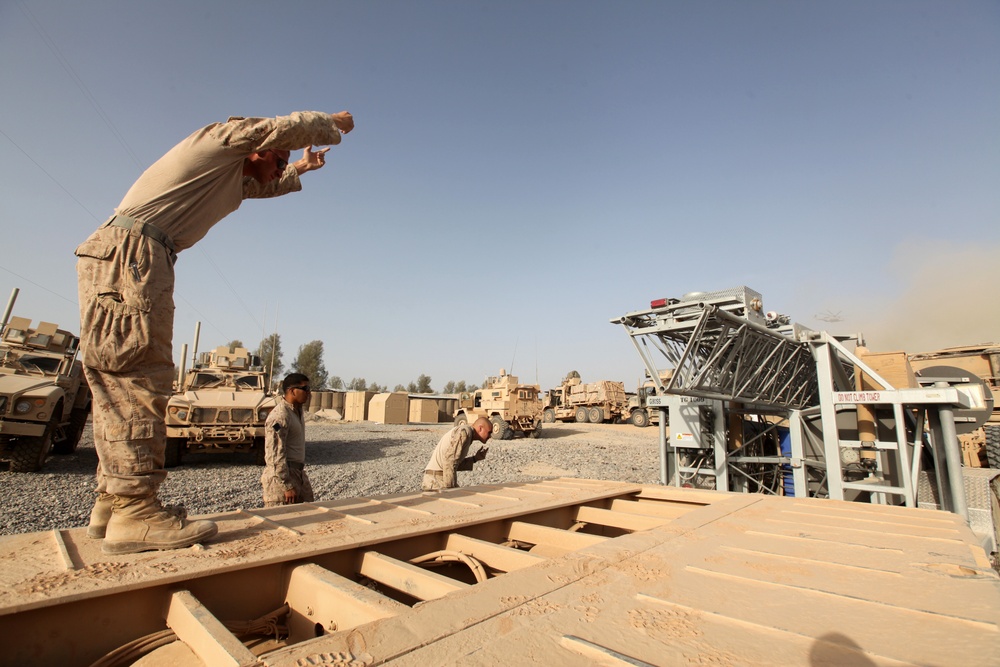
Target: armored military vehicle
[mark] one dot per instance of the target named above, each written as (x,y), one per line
(636,411)
(44,399)
(221,406)
(511,406)
(596,402)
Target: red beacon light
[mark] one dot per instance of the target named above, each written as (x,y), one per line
(658,303)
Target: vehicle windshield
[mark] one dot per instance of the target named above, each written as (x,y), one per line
(44,364)
(202,380)
(250,381)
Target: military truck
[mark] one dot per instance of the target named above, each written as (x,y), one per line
(594,402)
(980,447)
(511,406)
(221,406)
(636,412)
(44,398)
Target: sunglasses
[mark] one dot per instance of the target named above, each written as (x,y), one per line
(281,164)
(303,388)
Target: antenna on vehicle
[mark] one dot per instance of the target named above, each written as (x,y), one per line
(536,359)
(511,371)
(274,347)
(10,307)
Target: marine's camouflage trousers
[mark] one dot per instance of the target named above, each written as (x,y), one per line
(274,488)
(435,480)
(126,284)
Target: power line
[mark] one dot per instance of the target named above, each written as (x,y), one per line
(79,82)
(53,47)
(41,287)
(53,178)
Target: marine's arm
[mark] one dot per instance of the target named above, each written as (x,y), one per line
(292,132)
(275,457)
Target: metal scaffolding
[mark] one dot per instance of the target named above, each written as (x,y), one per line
(723,353)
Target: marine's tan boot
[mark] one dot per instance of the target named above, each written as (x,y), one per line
(99,516)
(142,524)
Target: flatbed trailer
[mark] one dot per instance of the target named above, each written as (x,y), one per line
(563,571)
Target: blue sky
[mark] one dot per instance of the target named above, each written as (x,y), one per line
(521,172)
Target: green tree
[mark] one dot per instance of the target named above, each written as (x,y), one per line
(449,388)
(412,388)
(309,362)
(377,388)
(424,384)
(399,387)
(269,352)
(336,383)
(235,343)
(460,387)
(357,384)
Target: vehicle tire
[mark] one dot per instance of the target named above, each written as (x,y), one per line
(535,432)
(595,415)
(501,429)
(461,419)
(174,452)
(77,421)
(30,453)
(549,416)
(639,418)
(259,457)
(993,445)
(581,415)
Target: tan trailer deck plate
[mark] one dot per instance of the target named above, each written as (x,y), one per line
(558,572)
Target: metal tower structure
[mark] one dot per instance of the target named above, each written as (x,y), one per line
(851,433)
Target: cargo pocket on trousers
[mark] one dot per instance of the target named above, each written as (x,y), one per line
(139,429)
(116,330)
(114,322)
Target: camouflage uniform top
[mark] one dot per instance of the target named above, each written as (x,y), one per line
(451,449)
(284,441)
(200,180)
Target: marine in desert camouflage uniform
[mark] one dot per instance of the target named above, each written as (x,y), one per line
(284,479)
(126,282)
(452,454)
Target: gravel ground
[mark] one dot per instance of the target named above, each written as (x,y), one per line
(343,460)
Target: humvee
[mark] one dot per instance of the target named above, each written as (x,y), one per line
(220,406)
(44,398)
(512,407)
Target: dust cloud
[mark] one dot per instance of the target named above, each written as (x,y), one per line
(945,296)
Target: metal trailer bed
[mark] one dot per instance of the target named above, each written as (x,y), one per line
(556,572)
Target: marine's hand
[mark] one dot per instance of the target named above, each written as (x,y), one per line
(311,160)
(481,454)
(344,121)
(289,496)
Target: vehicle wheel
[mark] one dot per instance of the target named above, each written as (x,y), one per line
(536,432)
(501,429)
(639,418)
(174,452)
(581,415)
(461,419)
(258,452)
(549,415)
(596,415)
(30,453)
(77,422)
(993,445)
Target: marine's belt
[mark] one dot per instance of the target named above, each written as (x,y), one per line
(296,465)
(149,230)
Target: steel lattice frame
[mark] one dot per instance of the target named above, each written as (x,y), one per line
(725,357)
